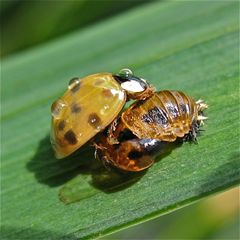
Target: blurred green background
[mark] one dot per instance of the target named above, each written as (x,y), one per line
(26,24)
(214,218)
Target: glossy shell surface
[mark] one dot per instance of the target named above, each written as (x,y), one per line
(88,106)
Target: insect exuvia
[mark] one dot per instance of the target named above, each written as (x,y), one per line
(127,138)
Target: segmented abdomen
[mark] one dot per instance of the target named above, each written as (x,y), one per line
(165,116)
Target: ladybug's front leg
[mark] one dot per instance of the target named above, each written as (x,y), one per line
(112,135)
(114,131)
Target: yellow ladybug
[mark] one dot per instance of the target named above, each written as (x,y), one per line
(89,105)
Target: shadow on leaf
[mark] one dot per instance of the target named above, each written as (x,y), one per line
(80,175)
(53,172)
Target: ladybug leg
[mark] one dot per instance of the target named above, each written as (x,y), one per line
(115,130)
(106,162)
(98,148)
(112,136)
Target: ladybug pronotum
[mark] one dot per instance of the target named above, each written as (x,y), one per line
(94,104)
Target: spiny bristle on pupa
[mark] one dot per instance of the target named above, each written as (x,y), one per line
(201,105)
(201,119)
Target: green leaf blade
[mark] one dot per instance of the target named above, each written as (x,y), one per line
(196,53)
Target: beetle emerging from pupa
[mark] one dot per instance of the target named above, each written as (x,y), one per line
(94,104)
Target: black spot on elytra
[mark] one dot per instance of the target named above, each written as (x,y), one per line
(75,108)
(70,137)
(61,125)
(94,120)
(155,115)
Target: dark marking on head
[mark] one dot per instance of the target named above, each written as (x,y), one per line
(107,93)
(61,125)
(94,120)
(75,108)
(70,137)
(155,115)
(130,77)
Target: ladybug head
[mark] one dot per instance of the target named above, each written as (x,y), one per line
(135,87)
